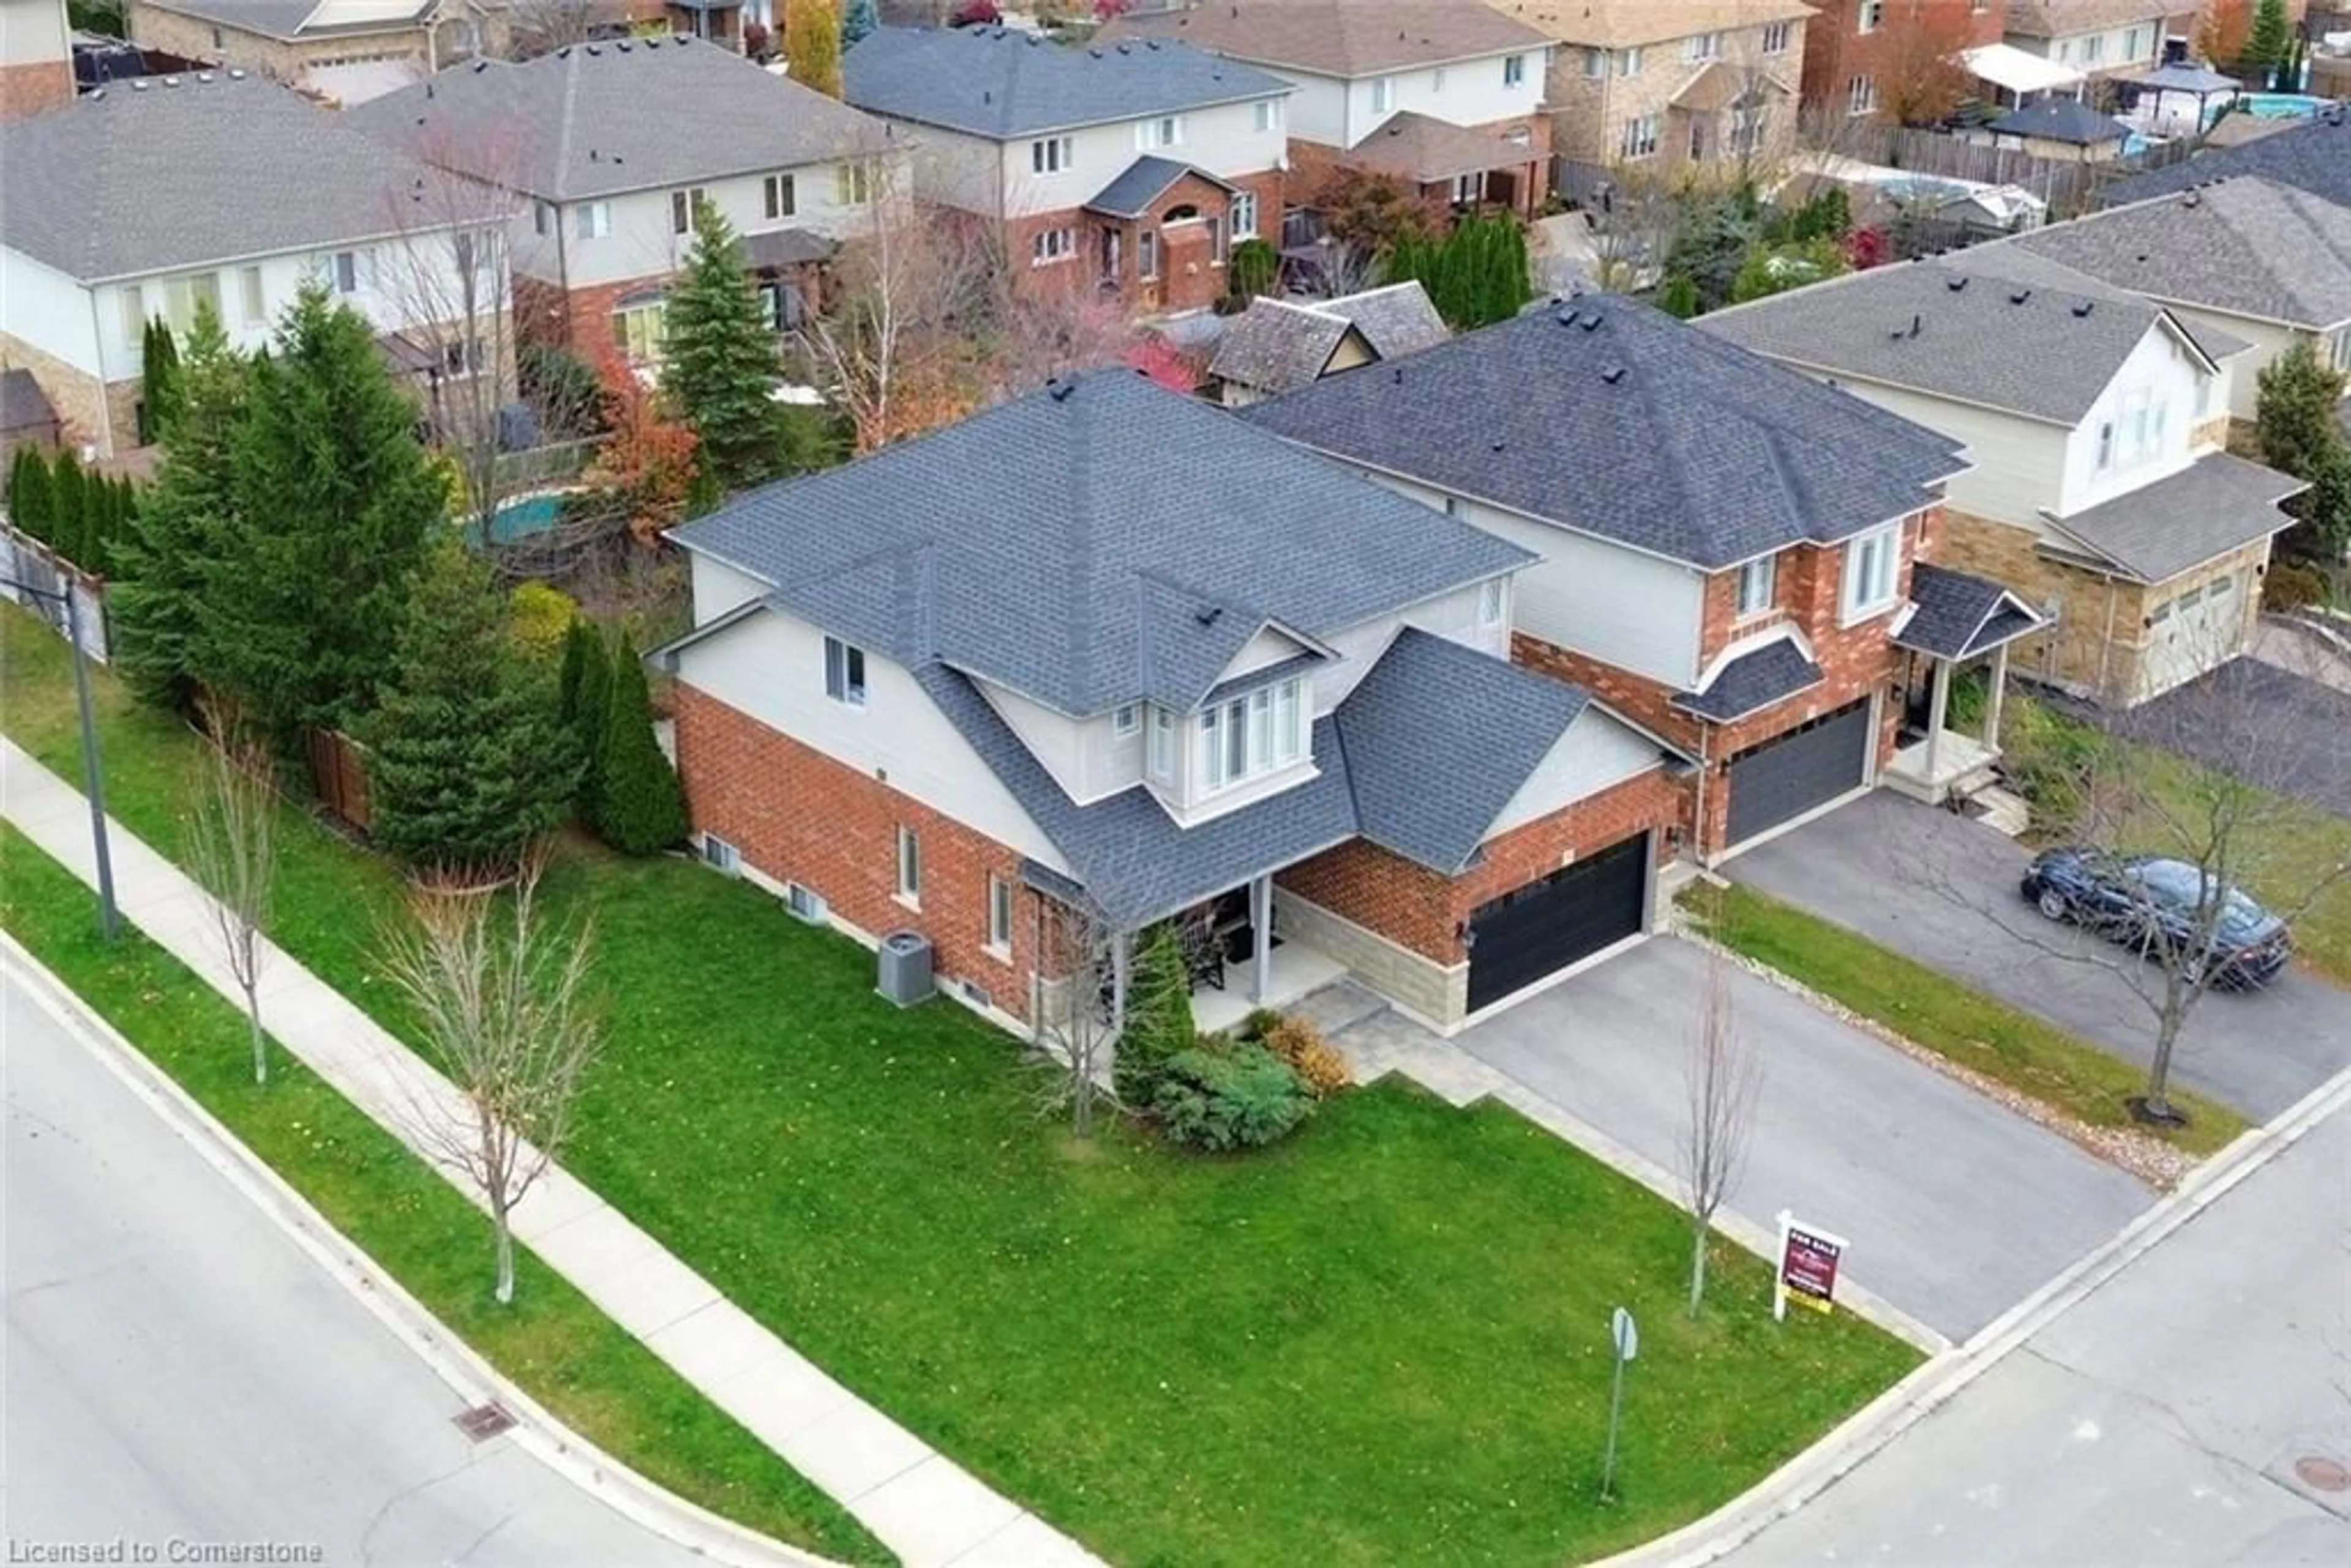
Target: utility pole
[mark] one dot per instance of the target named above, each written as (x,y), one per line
(92,771)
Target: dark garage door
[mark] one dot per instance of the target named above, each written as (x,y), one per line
(1789,774)
(1542,927)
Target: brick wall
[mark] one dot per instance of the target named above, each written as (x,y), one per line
(1835,51)
(798,815)
(1589,113)
(93,413)
(1190,278)
(26,89)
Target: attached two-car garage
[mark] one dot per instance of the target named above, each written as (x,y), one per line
(1799,769)
(1543,926)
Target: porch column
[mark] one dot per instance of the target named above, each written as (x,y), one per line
(1992,701)
(1939,707)
(1260,934)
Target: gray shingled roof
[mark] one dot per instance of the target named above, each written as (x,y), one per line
(2065,119)
(1275,346)
(2061,19)
(1491,721)
(1143,182)
(2011,263)
(999,83)
(132,180)
(1339,37)
(1956,615)
(2249,246)
(1102,542)
(1752,682)
(1953,331)
(1605,416)
(1395,320)
(285,19)
(597,120)
(2215,505)
(2316,157)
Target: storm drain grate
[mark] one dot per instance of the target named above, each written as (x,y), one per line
(483,1422)
(2322,1474)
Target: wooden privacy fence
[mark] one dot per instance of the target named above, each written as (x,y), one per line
(339,774)
(2068,185)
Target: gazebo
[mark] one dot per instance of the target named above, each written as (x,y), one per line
(2193,81)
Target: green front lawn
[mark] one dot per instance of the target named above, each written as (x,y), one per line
(1383,1342)
(1950,1019)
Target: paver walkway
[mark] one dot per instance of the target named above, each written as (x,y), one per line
(922,1505)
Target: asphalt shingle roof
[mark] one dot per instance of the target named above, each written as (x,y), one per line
(2314,157)
(1001,83)
(1606,416)
(1952,328)
(1101,543)
(1395,320)
(2063,19)
(1339,37)
(597,120)
(146,179)
(1421,149)
(1617,24)
(1143,182)
(2249,246)
(1275,346)
(2213,506)
(1958,615)
(2065,119)
(1773,673)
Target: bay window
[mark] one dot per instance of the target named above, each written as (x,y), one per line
(1870,560)
(1253,735)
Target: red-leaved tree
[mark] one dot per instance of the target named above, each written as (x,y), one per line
(647,459)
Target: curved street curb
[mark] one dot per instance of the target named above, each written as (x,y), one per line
(473,1379)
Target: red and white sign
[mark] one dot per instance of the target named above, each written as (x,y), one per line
(1808,1266)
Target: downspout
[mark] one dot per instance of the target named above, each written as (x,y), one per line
(563,274)
(105,403)
(1705,768)
(2106,643)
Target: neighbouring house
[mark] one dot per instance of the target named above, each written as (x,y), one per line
(2098,38)
(2313,156)
(2101,492)
(260,193)
(1726,547)
(1108,648)
(1873,59)
(1279,345)
(2260,262)
(37,69)
(347,49)
(2061,129)
(1444,97)
(611,146)
(1130,170)
(26,416)
(1675,86)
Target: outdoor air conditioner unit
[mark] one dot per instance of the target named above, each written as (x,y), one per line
(904,967)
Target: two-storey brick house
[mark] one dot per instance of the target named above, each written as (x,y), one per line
(1129,169)
(611,147)
(1874,60)
(1727,549)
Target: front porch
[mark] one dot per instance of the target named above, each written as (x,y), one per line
(1955,621)
(1240,960)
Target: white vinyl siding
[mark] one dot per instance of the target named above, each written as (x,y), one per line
(845,673)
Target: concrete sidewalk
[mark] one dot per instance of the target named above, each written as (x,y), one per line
(922,1506)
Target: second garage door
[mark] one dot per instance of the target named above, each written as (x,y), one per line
(1789,774)
(1542,927)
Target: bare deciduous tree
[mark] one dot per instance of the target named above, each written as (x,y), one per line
(1723,1077)
(505,1005)
(232,849)
(1077,1034)
(543,26)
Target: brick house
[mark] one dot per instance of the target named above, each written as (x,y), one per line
(1727,549)
(1444,97)
(1127,170)
(1106,647)
(2102,490)
(609,172)
(1674,86)
(265,192)
(333,44)
(37,69)
(1863,58)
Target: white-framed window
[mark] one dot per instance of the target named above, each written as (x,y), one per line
(1861,95)
(1269,114)
(1147,254)
(1490,600)
(2093,48)
(1252,736)
(462,357)
(1701,47)
(1870,16)
(1161,762)
(804,903)
(1125,719)
(253,305)
(778,197)
(681,208)
(2133,44)
(1514,70)
(1047,246)
(845,673)
(1747,128)
(1871,570)
(2104,458)
(1467,189)
(1777,36)
(1640,136)
(1383,94)
(543,217)
(638,331)
(2339,350)
(1595,64)
(2138,427)
(1052,154)
(346,271)
(1629,64)
(999,915)
(1165,130)
(591,220)
(1757,579)
(853,185)
(1244,214)
(910,865)
(1217,246)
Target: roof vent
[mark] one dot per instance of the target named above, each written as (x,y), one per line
(619,44)
(987,95)
(653,42)
(1095,53)
(428,93)
(1591,319)
(237,75)
(1956,282)
(137,85)
(1497,447)
(1399,375)
(2193,199)
(171,81)
(204,75)
(2020,296)
(1151,44)
(1124,50)
(1059,390)
(1613,374)
(481,65)
(594,156)
(2083,306)
(593,48)
(1569,317)
(1916,322)
(1208,615)
(564,53)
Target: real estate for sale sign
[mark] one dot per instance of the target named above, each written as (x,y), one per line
(1808,1266)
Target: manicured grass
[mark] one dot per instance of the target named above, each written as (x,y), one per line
(1383,1342)
(1949,1018)
(552,1341)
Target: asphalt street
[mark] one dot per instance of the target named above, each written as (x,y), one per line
(177,1369)
(2195,1410)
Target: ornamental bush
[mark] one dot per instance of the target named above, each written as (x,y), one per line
(1316,1062)
(1237,1097)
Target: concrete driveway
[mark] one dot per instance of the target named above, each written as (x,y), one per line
(1942,889)
(1955,1207)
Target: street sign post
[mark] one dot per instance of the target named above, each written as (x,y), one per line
(1807,1268)
(1626,1336)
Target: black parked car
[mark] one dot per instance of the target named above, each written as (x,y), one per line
(2153,905)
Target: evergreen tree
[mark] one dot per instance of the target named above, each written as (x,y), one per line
(858,18)
(591,706)
(335,499)
(69,507)
(812,44)
(720,366)
(30,504)
(468,760)
(2272,36)
(178,536)
(640,807)
(158,380)
(1158,1016)
(573,670)
(2295,420)
(1475,275)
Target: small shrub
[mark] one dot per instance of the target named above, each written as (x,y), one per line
(1260,1022)
(1316,1062)
(1244,1097)
(2291,585)
(540,619)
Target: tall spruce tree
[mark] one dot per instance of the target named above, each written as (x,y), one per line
(336,498)
(468,760)
(158,380)
(179,535)
(69,506)
(720,366)
(640,807)
(2297,420)
(589,708)
(2271,39)
(29,492)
